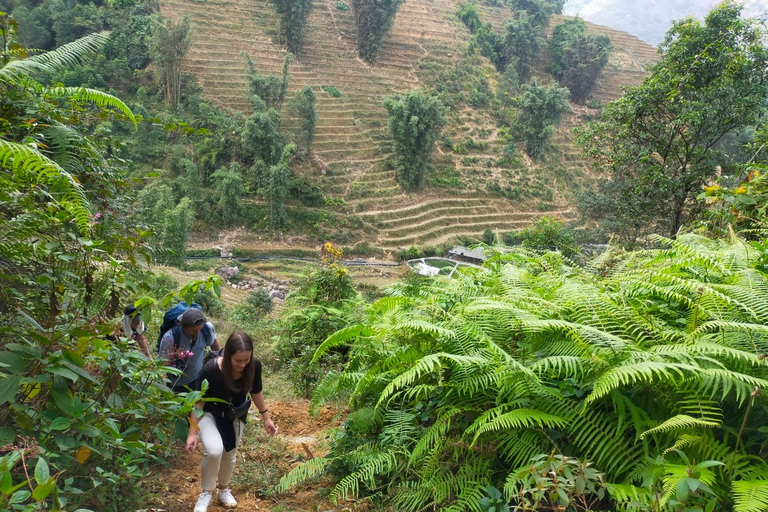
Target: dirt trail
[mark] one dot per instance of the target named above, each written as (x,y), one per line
(261,461)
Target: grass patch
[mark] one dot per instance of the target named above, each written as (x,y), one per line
(332,90)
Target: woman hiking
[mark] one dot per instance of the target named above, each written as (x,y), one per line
(231,377)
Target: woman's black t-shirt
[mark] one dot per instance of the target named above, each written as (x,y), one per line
(218,389)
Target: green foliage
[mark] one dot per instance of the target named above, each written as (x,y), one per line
(293,22)
(539,11)
(158,207)
(374,18)
(548,234)
(302,107)
(555,482)
(657,145)
(648,365)
(341,6)
(539,111)
(229,190)
(324,301)
(277,187)
(170,43)
(415,121)
(332,90)
(82,415)
(257,305)
(209,301)
(270,89)
(578,58)
(469,15)
(522,42)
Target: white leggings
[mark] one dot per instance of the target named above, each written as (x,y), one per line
(217,464)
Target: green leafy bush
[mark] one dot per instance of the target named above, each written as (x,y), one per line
(647,364)
(332,90)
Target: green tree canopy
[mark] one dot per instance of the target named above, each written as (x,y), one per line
(522,42)
(578,58)
(658,144)
(539,110)
(374,18)
(415,121)
(302,107)
(539,11)
(170,43)
(293,22)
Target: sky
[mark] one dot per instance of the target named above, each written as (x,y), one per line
(649,19)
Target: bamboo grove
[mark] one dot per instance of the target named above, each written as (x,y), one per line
(642,372)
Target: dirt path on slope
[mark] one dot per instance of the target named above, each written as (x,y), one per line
(261,462)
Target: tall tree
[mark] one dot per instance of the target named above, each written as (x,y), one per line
(657,145)
(277,187)
(170,43)
(540,11)
(539,110)
(302,107)
(522,42)
(578,58)
(374,18)
(293,22)
(270,89)
(415,121)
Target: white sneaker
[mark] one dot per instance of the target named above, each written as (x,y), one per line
(225,498)
(203,501)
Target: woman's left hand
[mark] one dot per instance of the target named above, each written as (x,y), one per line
(269,427)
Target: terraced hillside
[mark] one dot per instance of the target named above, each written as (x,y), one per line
(469,190)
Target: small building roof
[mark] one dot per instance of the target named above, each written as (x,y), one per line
(465,252)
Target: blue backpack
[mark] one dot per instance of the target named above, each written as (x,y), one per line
(171,320)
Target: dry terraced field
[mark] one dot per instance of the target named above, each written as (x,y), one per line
(352,148)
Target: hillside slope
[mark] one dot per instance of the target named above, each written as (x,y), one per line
(469,192)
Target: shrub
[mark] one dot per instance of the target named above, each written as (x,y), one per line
(332,90)
(257,305)
(210,302)
(548,234)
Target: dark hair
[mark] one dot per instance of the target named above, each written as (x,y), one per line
(238,341)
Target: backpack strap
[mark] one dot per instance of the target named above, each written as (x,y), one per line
(176,333)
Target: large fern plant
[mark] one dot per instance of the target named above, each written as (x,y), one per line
(640,363)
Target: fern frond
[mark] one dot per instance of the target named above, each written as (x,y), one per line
(628,494)
(750,495)
(338,338)
(594,432)
(66,56)
(569,366)
(98,98)
(637,372)
(435,435)
(332,385)
(680,422)
(426,365)
(713,379)
(376,464)
(302,473)
(498,420)
(25,159)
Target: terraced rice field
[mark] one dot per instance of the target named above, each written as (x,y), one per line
(352,147)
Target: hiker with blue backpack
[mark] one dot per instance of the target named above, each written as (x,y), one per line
(183,345)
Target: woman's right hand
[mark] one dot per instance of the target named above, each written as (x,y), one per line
(191,441)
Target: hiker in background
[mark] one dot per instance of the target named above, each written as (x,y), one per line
(132,327)
(184,347)
(231,377)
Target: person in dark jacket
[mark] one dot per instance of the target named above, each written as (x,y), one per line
(231,377)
